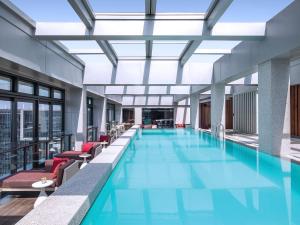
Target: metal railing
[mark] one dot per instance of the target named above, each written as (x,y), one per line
(15,157)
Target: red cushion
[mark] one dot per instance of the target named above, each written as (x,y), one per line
(104,138)
(55,172)
(87,147)
(56,162)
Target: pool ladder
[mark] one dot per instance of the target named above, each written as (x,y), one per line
(220,128)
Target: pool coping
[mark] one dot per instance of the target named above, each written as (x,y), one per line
(69,203)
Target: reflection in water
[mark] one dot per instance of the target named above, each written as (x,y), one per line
(185,177)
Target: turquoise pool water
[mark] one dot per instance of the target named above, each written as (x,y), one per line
(181,176)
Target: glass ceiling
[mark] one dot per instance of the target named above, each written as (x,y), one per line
(238,11)
(129,48)
(168,48)
(253,10)
(48,10)
(118,6)
(80,44)
(183,6)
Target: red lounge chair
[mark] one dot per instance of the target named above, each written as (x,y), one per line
(180,125)
(89,148)
(103,138)
(23,180)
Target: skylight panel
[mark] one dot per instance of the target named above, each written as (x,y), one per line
(47,11)
(253,10)
(80,44)
(218,44)
(182,6)
(118,6)
(168,48)
(204,58)
(129,48)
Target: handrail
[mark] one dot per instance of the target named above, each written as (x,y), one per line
(17,156)
(220,127)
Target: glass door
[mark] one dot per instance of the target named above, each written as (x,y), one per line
(44,130)
(25,125)
(5,137)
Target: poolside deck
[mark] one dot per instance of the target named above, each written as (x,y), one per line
(15,207)
(251,140)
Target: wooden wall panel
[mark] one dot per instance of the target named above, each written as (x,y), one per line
(205,119)
(295,110)
(229,113)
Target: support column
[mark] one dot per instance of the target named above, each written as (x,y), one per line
(76,115)
(103,116)
(217,106)
(274,106)
(194,111)
(118,108)
(138,116)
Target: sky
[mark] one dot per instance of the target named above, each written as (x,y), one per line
(238,11)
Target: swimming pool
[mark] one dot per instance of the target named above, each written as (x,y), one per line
(182,176)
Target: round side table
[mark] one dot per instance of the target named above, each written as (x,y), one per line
(43,195)
(84,156)
(103,144)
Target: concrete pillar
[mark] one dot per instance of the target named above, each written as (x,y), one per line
(118,108)
(194,111)
(76,115)
(103,116)
(138,115)
(274,106)
(97,114)
(217,106)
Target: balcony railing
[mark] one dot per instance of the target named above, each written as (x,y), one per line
(26,155)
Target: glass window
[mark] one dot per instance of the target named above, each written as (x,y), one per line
(57,118)
(57,94)
(5,137)
(44,91)
(25,87)
(5,83)
(44,120)
(90,109)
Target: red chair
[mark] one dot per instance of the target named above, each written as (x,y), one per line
(88,147)
(180,125)
(104,138)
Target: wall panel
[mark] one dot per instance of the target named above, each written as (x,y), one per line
(244,112)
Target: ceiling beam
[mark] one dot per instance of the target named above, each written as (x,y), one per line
(216,9)
(188,51)
(108,51)
(149,45)
(84,11)
(150,7)
(98,51)
(150,10)
(150,30)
